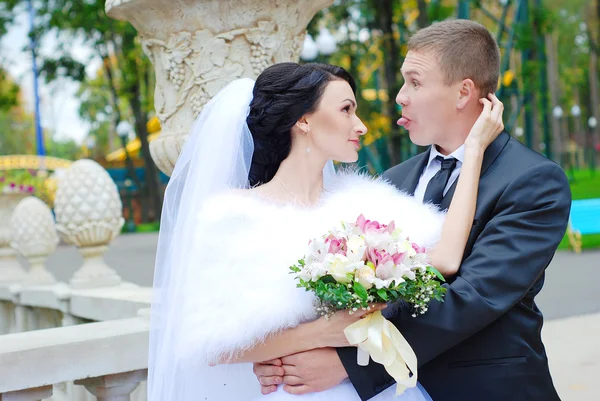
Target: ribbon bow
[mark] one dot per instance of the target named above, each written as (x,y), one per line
(380,339)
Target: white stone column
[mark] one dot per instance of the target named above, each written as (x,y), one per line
(20,321)
(34,236)
(7,317)
(117,387)
(199,46)
(10,269)
(63,295)
(89,215)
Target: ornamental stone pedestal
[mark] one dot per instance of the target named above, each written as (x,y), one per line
(10,268)
(89,215)
(34,236)
(199,46)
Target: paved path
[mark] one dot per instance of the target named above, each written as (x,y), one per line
(573,347)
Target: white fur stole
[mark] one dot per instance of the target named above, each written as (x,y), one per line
(236,287)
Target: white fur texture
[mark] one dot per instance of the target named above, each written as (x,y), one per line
(237,289)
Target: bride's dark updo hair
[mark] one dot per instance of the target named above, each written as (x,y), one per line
(282,94)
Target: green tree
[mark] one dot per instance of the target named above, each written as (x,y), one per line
(9,91)
(16,132)
(63,148)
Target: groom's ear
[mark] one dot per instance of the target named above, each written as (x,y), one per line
(466,92)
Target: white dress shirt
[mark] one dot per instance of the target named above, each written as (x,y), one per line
(433,166)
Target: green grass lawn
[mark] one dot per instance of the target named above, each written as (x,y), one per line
(144,228)
(584,185)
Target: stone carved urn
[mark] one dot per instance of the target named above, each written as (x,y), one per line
(34,236)
(199,46)
(10,268)
(89,215)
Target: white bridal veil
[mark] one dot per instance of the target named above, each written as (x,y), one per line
(215,158)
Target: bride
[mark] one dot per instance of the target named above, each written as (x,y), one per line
(254,182)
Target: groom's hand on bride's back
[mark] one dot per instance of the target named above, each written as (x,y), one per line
(303,372)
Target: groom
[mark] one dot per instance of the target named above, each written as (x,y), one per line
(483,342)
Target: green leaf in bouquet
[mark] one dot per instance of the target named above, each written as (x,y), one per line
(328,279)
(301,262)
(435,271)
(360,290)
(295,269)
(382,294)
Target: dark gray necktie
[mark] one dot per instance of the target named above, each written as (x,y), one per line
(435,189)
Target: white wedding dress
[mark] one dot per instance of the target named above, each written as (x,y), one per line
(238,288)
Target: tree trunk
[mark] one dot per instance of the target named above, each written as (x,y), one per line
(594,105)
(141,121)
(595,86)
(117,116)
(384,13)
(422,19)
(552,71)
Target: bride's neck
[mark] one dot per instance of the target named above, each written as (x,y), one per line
(300,176)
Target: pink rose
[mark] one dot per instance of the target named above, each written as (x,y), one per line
(418,249)
(336,245)
(378,257)
(398,257)
(368,225)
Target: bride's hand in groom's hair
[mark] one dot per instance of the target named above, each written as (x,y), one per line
(331,330)
(488,125)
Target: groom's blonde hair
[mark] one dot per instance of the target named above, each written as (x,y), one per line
(464,49)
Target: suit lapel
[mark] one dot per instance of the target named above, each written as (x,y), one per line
(412,179)
(491,153)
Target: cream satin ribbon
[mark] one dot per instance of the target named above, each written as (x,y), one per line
(380,339)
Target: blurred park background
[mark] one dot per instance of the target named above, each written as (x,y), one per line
(76,84)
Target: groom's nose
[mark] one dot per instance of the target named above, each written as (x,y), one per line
(401,98)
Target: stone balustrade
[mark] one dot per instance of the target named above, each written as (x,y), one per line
(24,308)
(109,359)
(75,341)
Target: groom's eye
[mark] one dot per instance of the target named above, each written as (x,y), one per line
(415,83)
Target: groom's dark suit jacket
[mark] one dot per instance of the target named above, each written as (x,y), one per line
(483,342)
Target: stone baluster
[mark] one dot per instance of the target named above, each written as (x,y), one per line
(117,387)
(63,295)
(20,321)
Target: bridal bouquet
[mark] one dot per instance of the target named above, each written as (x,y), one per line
(365,262)
(357,264)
